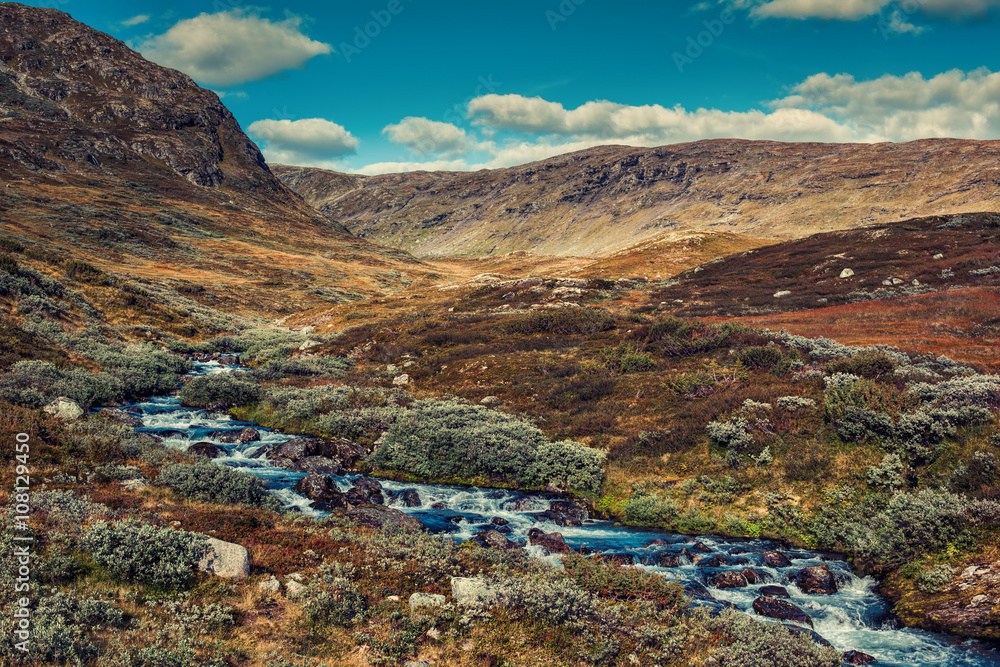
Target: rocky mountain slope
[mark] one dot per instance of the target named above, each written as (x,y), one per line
(603,199)
(107,157)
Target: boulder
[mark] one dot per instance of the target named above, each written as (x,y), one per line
(228,560)
(812,634)
(781,609)
(64,408)
(120,417)
(499,521)
(774,591)
(242,436)
(847,273)
(271,585)
(776,559)
(422,600)
(379,516)
(494,540)
(475,592)
(294,449)
(563,513)
(410,498)
(754,576)
(816,580)
(356,497)
(173,434)
(717,560)
(668,559)
(317,465)
(552,541)
(294,588)
(700,546)
(342,449)
(318,487)
(729,579)
(857,658)
(402,379)
(209,450)
(338,501)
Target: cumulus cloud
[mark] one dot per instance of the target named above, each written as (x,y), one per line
(232,47)
(310,142)
(424,136)
(852,10)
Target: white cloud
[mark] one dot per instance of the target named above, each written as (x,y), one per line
(310,142)
(402,167)
(424,137)
(232,47)
(900,26)
(135,20)
(853,10)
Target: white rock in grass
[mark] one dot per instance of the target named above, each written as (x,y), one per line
(271,585)
(226,559)
(64,408)
(419,600)
(401,379)
(474,592)
(784,292)
(847,273)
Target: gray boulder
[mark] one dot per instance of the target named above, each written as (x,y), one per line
(64,408)
(243,436)
(379,516)
(419,600)
(317,465)
(226,559)
(119,416)
(317,487)
(475,592)
(207,449)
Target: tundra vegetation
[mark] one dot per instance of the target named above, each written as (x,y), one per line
(887,456)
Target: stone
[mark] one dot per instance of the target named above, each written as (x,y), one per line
(494,540)
(552,541)
(857,658)
(808,632)
(209,450)
(668,559)
(938,256)
(379,516)
(227,560)
(317,465)
(421,600)
(318,487)
(774,591)
(847,273)
(717,560)
(781,293)
(270,585)
(781,609)
(294,588)
(135,484)
(342,449)
(64,408)
(410,498)
(294,449)
(816,580)
(308,344)
(475,592)
(754,576)
(120,417)
(702,547)
(499,521)
(242,436)
(729,579)
(173,434)
(776,559)
(490,400)
(402,379)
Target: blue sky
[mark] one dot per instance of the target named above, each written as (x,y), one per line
(375,86)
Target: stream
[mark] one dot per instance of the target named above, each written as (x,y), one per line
(853,618)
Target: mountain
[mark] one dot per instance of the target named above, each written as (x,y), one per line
(604,199)
(112,159)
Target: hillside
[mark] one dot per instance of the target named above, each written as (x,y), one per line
(603,199)
(109,158)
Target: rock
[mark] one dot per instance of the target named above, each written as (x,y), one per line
(754,576)
(475,592)
(410,498)
(379,516)
(774,591)
(356,497)
(318,487)
(816,580)
(271,585)
(120,417)
(938,256)
(857,658)
(499,521)
(367,484)
(439,506)
(565,513)
(494,540)
(317,465)
(847,273)
(696,591)
(294,449)
(338,501)
(173,434)
(243,436)
(784,292)
(781,609)
(729,579)
(416,663)
(228,560)
(294,588)
(776,559)
(717,560)
(552,541)
(209,450)
(490,400)
(668,559)
(135,484)
(342,449)
(402,379)
(64,408)
(699,546)
(812,634)
(308,344)
(421,600)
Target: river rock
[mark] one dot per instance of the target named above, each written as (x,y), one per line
(338,501)
(781,609)
(64,408)
(379,516)
(774,591)
(700,546)
(475,592)
(317,487)
(410,498)
(243,436)
(552,541)
(808,632)
(857,658)
(228,560)
(494,540)
(668,559)
(294,449)
(120,417)
(342,449)
(816,580)
(499,521)
(173,434)
(563,513)
(696,591)
(423,600)
(776,559)
(717,560)
(317,465)
(209,450)
(729,579)
(755,576)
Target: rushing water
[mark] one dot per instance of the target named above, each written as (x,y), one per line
(853,618)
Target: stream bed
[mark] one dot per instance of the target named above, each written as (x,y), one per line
(853,618)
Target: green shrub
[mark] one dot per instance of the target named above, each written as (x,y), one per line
(214,483)
(871,364)
(934,579)
(627,359)
(140,552)
(221,390)
(562,321)
(567,464)
(649,510)
(753,643)
(760,358)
